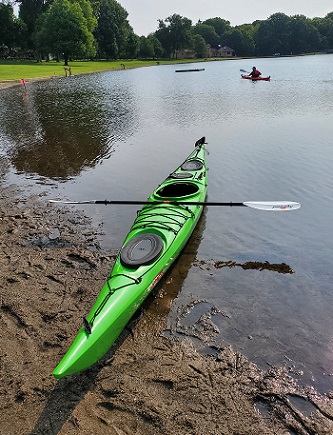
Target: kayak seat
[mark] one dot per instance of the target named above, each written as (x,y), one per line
(192,165)
(177,190)
(141,250)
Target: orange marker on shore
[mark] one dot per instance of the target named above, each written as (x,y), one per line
(23,82)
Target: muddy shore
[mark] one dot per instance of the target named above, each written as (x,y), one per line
(52,269)
(9,83)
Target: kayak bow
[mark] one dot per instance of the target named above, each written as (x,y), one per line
(158,235)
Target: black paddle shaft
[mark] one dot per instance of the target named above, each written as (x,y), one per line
(205,203)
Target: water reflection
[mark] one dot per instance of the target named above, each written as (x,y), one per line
(56,130)
(269,141)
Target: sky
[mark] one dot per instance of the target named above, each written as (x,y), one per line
(143,15)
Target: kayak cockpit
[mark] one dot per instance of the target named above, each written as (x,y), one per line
(177,190)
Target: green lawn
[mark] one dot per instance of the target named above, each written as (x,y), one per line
(19,69)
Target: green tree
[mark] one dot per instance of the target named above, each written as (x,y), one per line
(304,36)
(65,29)
(248,31)
(88,13)
(320,25)
(327,29)
(273,35)
(220,25)
(150,47)
(200,46)
(240,40)
(11,29)
(112,30)
(146,50)
(174,34)
(29,11)
(132,46)
(162,34)
(158,49)
(208,34)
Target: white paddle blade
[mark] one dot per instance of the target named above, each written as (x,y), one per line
(274,205)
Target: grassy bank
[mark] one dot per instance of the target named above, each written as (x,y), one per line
(17,69)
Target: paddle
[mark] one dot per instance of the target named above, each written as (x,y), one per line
(258,205)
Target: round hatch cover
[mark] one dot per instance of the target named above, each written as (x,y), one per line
(192,165)
(181,175)
(141,250)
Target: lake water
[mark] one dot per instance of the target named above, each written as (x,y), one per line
(116,135)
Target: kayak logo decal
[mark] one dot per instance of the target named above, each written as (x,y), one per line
(282,207)
(156,280)
(158,277)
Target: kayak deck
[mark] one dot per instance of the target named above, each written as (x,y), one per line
(156,238)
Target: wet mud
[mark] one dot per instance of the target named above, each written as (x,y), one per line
(151,381)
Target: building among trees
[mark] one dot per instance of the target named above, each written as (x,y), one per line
(224,51)
(99,29)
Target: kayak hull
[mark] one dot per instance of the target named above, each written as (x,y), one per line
(254,79)
(161,230)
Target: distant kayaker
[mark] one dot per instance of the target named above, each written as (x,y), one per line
(255,73)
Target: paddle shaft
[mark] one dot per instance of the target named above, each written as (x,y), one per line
(106,202)
(269,206)
(220,204)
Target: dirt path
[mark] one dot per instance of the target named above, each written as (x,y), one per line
(51,272)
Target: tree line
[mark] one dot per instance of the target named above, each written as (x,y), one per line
(99,29)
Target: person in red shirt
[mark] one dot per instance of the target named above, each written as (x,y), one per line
(255,73)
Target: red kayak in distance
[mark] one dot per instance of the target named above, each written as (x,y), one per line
(254,79)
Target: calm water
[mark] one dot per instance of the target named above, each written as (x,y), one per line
(117,135)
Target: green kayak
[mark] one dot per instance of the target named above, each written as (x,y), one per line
(158,235)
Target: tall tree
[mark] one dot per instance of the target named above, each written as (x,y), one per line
(65,29)
(248,45)
(146,48)
(328,20)
(304,36)
(112,30)
(273,35)
(132,46)
(200,46)
(239,40)
(220,25)
(150,47)
(29,11)
(208,33)
(174,33)
(11,29)
(158,49)
(320,25)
